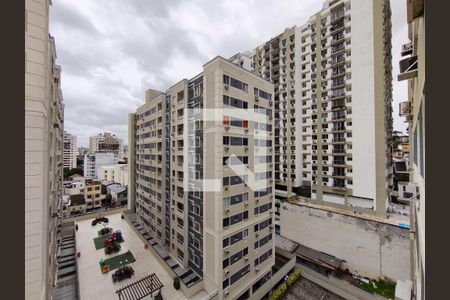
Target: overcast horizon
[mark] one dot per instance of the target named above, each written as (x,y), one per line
(110,51)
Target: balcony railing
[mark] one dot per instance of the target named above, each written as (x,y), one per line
(337,15)
(338,150)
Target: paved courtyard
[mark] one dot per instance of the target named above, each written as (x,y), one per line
(97,286)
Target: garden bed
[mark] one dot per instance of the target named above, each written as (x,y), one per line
(114,262)
(100,241)
(383,288)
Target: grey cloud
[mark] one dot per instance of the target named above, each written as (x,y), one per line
(112,51)
(69,16)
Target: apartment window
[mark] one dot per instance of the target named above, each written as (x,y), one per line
(235,122)
(263,257)
(235,160)
(262,94)
(235,83)
(263,192)
(263,241)
(229,221)
(228,201)
(235,102)
(236,276)
(235,141)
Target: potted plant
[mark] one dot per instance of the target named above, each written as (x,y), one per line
(176,283)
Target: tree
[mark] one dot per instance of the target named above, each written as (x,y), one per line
(69,172)
(107,199)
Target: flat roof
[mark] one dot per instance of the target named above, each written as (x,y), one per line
(77,200)
(318,257)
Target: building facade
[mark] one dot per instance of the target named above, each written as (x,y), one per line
(44,117)
(92,162)
(92,193)
(106,142)
(333,93)
(117,173)
(70,151)
(201,185)
(412,68)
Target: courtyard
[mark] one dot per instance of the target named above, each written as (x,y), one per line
(94,285)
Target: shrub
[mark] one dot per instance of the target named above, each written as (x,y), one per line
(104,231)
(278,293)
(159,296)
(176,283)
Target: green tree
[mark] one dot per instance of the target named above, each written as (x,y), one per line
(69,172)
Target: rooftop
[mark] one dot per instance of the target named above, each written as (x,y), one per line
(77,200)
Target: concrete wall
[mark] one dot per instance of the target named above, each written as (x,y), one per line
(371,248)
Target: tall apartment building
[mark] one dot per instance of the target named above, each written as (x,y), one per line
(412,68)
(106,142)
(93,162)
(44,115)
(70,151)
(200,175)
(333,93)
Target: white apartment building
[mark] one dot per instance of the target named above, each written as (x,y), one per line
(44,117)
(92,162)
(333,94)
(106,142)
(70,150)
(117,173)
(412,68)
(221,237)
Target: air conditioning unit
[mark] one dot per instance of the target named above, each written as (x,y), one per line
(270,227)
(270,103)
(245,203)
(227,272)
(257,200)
(256,98)
(245,148)
(246,130)
(226,293)
(226,87)
(227,148)
(227,250)
(270,117)
(246,258)
(257,269)
(227,210)
(226,188)
(256,234)
(226,128)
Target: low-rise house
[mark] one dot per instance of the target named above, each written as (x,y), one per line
(77,204)
(118,194)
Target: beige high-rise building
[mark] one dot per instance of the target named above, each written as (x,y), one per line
(44,115)
(333,93)
(201,164)
(70,151)
(106,142)
(412,68)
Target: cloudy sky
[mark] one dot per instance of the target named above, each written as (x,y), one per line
(111,51)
